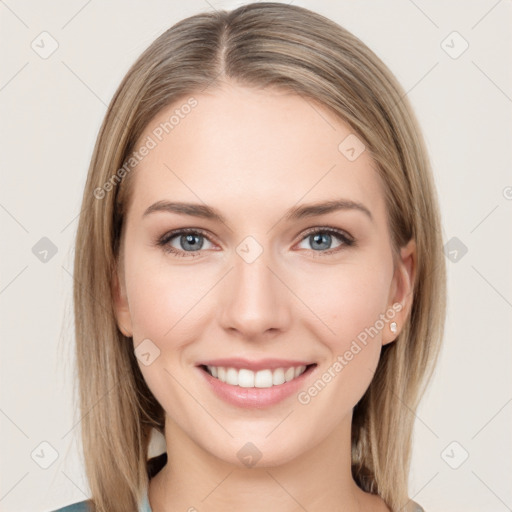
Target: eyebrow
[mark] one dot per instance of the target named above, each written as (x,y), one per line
(295,213)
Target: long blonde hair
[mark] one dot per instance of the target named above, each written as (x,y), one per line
(274,45)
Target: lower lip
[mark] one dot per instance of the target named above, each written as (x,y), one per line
(256,397)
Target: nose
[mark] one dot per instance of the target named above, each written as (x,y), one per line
(255,304)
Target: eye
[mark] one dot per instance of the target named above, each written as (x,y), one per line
(184,242)
(321,241)
(190,242)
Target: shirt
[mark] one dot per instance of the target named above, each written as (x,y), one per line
(82,506)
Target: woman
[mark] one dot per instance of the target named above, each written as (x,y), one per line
(259,273)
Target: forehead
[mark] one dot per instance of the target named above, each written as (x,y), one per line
(255,148)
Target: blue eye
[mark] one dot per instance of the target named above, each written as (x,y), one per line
(189,241)
(321,240)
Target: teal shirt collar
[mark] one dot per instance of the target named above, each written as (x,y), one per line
(145,504)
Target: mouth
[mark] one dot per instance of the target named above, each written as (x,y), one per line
(263,386)
(265,378)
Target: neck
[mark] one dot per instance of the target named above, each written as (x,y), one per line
(320,479)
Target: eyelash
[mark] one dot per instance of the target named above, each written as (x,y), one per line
(163,241)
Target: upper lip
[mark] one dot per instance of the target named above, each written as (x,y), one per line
(261,364)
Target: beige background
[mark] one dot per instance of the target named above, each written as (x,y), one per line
(51,109)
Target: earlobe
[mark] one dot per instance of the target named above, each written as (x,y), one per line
(402,291)
(121,308)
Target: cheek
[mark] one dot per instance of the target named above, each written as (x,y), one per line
(164,301)
(167,307)
(350,312)
(348,298)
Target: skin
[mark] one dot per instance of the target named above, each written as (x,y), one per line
(252,155)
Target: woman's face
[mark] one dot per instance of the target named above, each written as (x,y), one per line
(286,262)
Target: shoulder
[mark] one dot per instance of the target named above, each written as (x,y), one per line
(81,506)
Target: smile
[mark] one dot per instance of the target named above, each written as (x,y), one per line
(246,378)
(268,383)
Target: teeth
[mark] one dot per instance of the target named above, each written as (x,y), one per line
(278,377)
(260,379)
(242,378)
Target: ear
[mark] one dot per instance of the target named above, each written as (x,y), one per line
(121,307)
(401,291)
